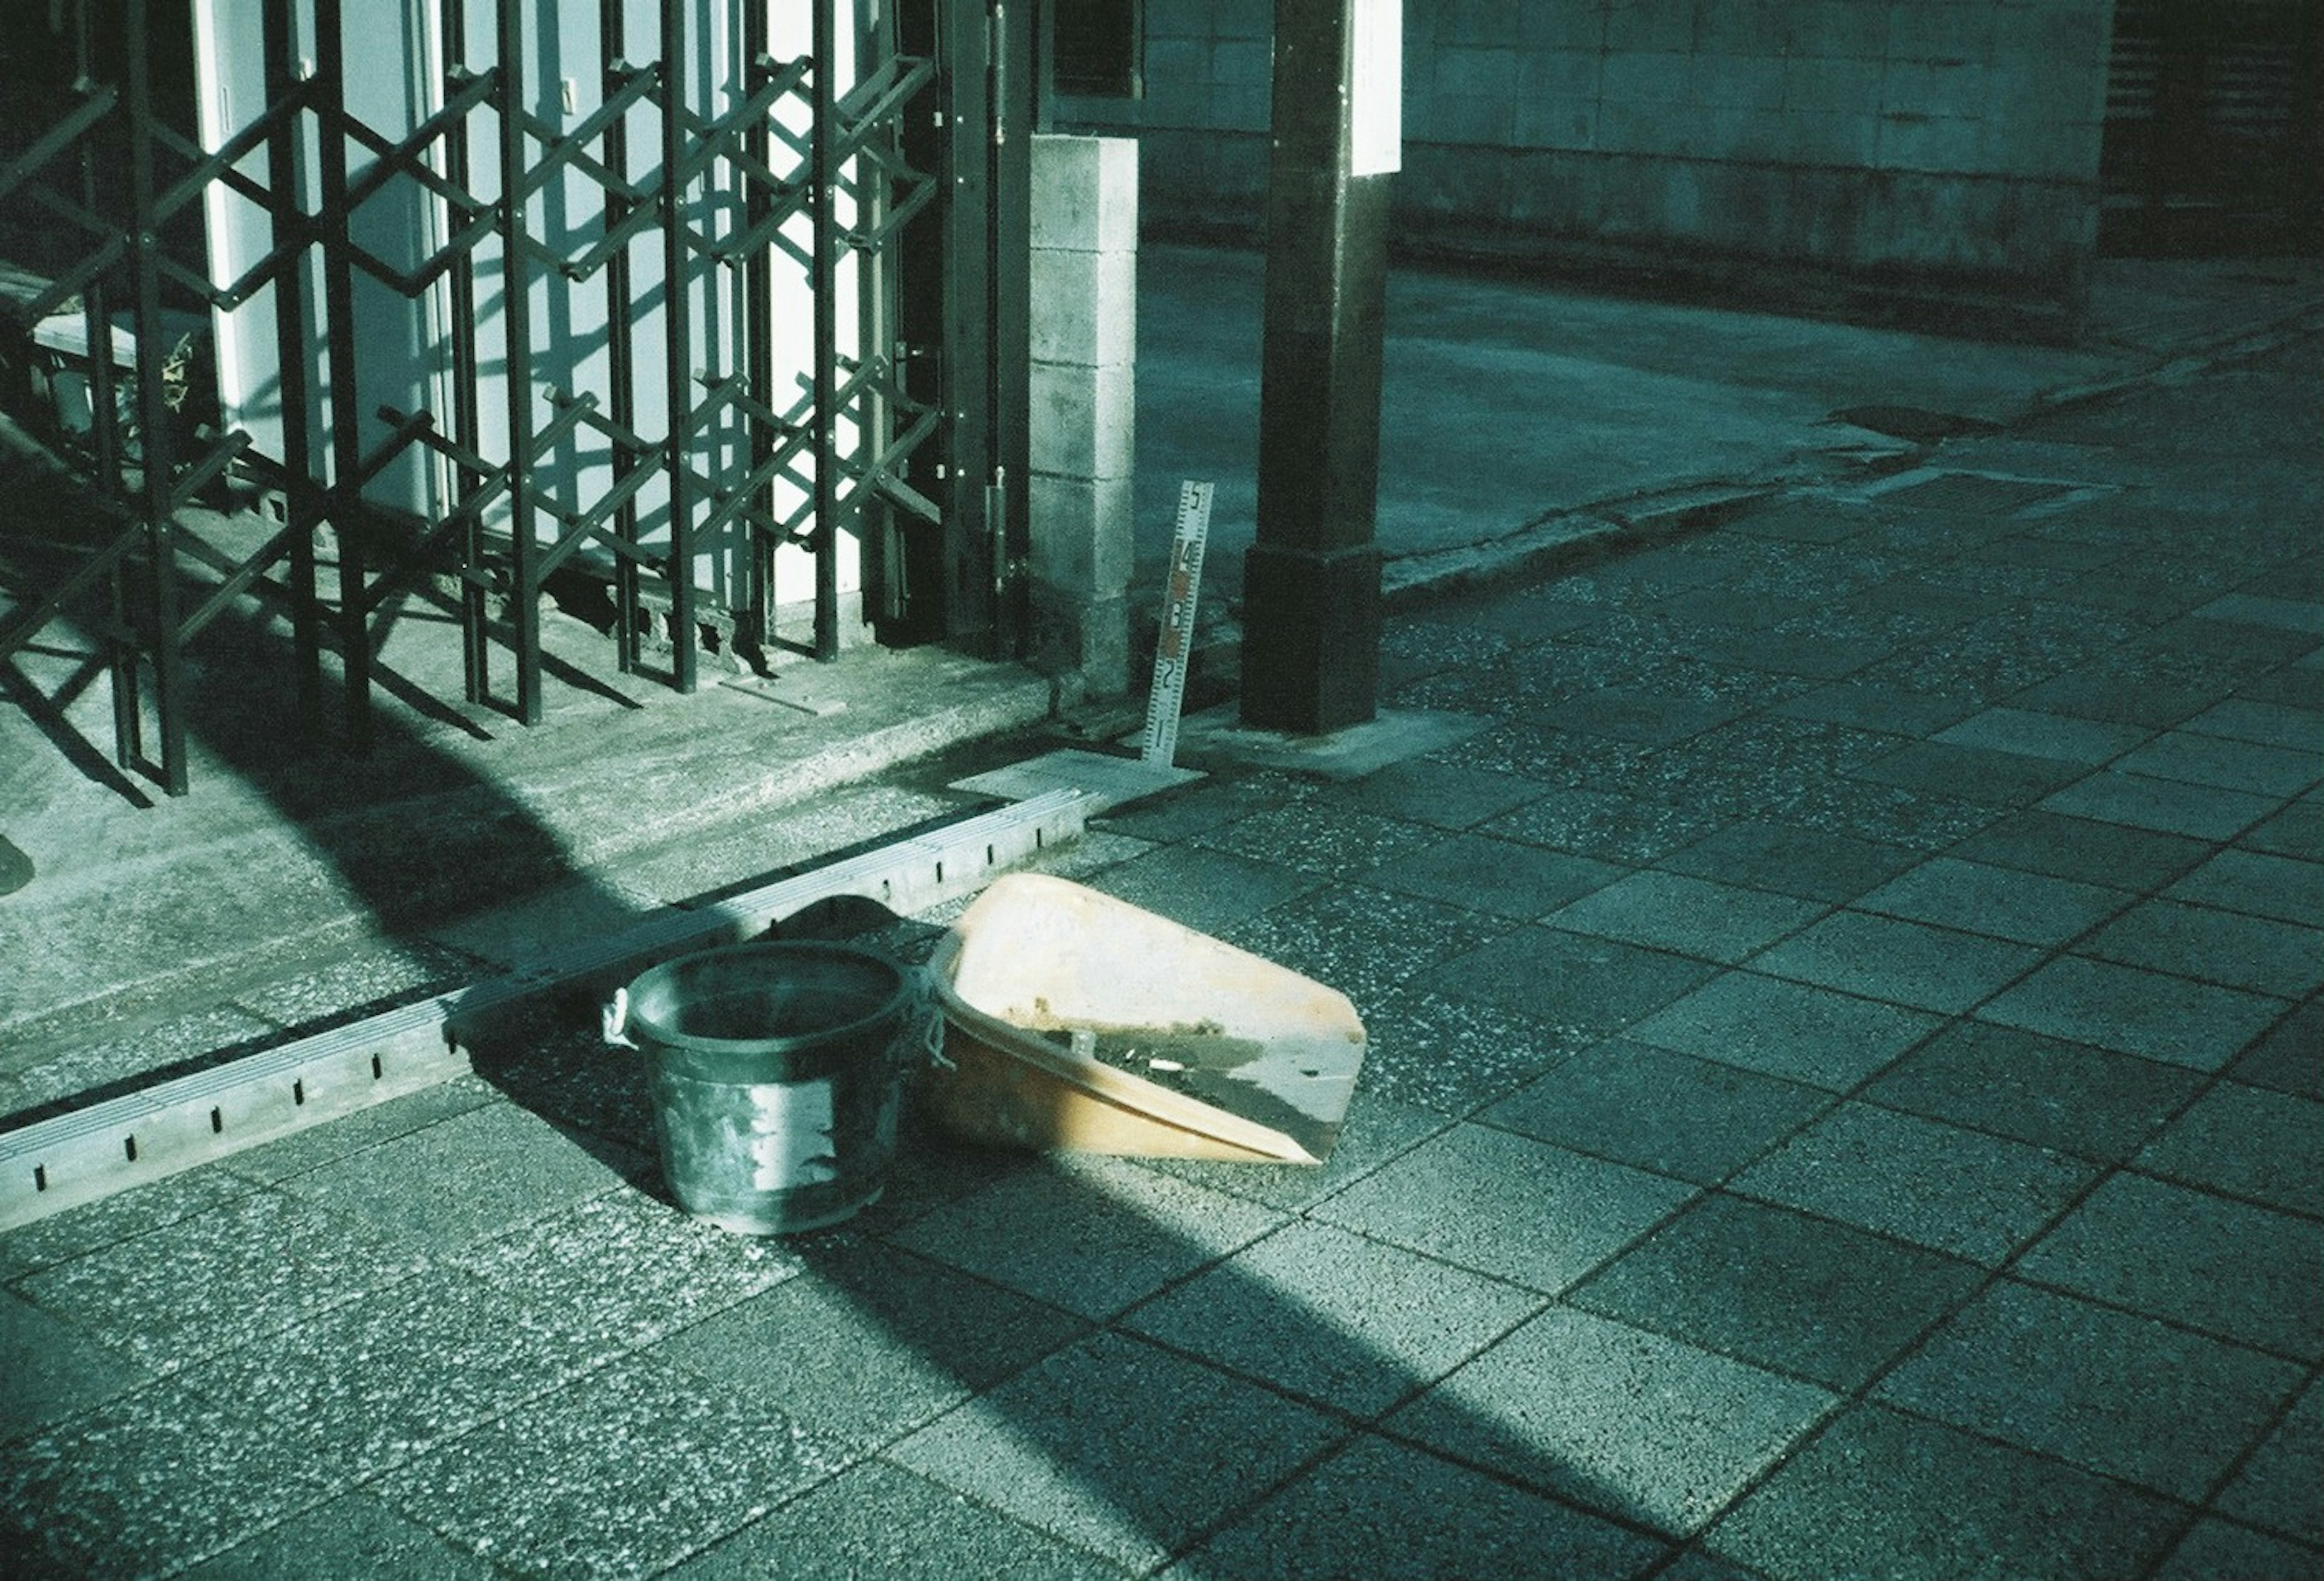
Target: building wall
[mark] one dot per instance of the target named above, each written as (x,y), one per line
(1871,151)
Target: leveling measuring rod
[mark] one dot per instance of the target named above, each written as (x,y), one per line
(1177,643)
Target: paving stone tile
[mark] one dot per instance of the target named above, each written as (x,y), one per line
(2271,724)
(1698,1119)
(365,1386)
(146,1484)
(2030,733)
(581,1483)
(467,1178)
(2231,948)
(1971,774)
(1446,795)
(1194,809)
(2233,1269)
(2169,806)
(1882,707)
(1090,1235)
(1785,1290)
(1616,1419)
(1813,864)
(1334,1318)
(2106,692)
(77,1231)
(1523,749)
(1810,646)
(1505,1206)
(1638,715)
(2301,615)
(2134,1012)
(2258,883)
(871,1343)
(1901,962)
(2222,1549)
(2028,908)
(1450,1055)
(2218,760)
(2247,1142)
(1689,916)
(2296,831)
(1315,836)
(310,1149)
(55,1370)
(1376,1128)
(1934,1185)
(1497,876)
(1568,979)
(628,1269)
(2122,1395)
(2083,849)
(1882,1494)
(879,1519)
(1602,824)
(242,1270)
(1786,1029)
(1209,891)
(2290,1057)
(1364,942)
(1120,1447)
(1891,814)
(2063,1095)
(1533,615)
(2279,1487)
(353,1535)
(1388,1512)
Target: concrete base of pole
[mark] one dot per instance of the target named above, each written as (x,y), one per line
(1311,646)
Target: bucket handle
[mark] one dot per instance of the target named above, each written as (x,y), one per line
(613,1019)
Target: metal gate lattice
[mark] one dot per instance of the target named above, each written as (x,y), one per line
(703,218)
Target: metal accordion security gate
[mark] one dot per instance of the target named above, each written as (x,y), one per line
(719,302)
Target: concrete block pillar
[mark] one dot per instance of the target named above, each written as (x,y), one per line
(1083,369)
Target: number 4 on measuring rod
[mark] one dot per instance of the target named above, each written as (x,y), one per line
(1178,623)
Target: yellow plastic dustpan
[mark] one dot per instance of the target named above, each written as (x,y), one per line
(1077,1021)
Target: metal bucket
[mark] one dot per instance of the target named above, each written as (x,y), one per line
(776,1073)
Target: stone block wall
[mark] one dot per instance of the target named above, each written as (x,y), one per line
(1940,150)
(1085,357)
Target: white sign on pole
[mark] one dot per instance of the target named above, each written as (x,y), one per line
(1375,88)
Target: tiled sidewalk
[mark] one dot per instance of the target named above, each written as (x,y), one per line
(1844,1101)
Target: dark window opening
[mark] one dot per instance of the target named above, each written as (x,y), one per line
(1097,48)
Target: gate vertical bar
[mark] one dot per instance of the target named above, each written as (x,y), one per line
(757,273)
(467,409)
(825,174)
(339,323)
(104,434)
(153,413)
(621,344)
(516,319)
(292,353)
(677,342)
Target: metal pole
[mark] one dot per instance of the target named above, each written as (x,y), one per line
(823,172)
(467,409)
(677,350)
(104,434)
(620,346)
(1312,582)
(347,434)
(153,414)
(293,352)
(516,319)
